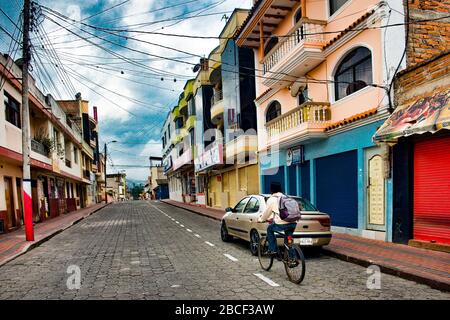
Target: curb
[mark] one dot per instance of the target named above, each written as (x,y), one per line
(435,284)
(37,243)
(192,210)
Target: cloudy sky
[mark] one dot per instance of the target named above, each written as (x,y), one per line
(133,83)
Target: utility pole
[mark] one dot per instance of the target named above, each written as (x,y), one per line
(106,178)
(26,56)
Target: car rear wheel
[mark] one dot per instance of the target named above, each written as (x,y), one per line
(224,233)
(254,242)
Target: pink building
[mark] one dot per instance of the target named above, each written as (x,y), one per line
(322,69)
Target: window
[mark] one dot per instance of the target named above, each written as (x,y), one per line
(75,154)
(241,205)
(191,106)
(192,137)
(335,5)
(12,110)
(353,73)
(270,44)
(273,111)
(252,206)
(179,123)
(298,15)
(303,96)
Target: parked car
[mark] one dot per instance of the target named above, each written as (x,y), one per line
(241,222)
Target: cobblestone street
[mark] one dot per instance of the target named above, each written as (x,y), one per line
(151,250)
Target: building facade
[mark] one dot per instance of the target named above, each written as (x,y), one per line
(320,78)
(58,186)
(228,160)
(116,187)
(418,132)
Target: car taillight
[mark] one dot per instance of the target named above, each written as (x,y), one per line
(326,222)
(290,240)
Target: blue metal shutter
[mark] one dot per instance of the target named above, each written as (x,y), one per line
(292,180)
(275,175)
(337,188)
(305,180)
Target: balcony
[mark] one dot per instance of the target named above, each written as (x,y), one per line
(190,123)
(183,160)
(242,147)
(304,123)
(39,148)
(217,106)
(294,56)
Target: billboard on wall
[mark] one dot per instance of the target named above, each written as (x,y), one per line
(209,158)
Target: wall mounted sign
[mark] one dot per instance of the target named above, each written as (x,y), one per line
(209,158)
(295,156)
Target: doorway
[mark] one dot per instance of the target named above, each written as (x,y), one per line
(9,198)
(375,190)
(19,199)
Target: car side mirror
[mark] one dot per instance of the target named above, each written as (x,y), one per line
(229,209)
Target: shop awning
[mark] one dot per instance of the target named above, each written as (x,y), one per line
(428,114)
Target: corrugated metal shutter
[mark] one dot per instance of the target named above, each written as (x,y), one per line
(432,190)
(337,188)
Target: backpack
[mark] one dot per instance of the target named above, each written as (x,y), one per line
(289,209)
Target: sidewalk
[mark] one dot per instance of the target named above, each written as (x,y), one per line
(420,265)
(13,244)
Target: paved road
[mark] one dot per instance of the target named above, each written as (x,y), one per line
(134,251)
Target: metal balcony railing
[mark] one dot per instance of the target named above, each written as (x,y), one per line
(38,148)
(217,97)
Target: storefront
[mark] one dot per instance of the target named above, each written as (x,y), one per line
(420,136)
(345,175)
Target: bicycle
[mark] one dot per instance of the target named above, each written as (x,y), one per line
(291,255)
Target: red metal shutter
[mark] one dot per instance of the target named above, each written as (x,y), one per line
(432,190)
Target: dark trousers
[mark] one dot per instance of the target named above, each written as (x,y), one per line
(290,227)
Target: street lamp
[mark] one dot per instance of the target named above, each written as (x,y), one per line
(106,178)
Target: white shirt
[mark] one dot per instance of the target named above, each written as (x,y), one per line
(272,209)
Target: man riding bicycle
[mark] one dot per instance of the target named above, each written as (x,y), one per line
(272,212)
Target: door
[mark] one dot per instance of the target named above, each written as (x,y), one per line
(249,216)
(234,220)
(9,198)
(19,200)
(375,190)
(305,180)
(431,200)
(337,188)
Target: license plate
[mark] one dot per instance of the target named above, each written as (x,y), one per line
(306,241)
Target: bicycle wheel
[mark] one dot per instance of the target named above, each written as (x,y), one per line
(294,264)
(265,260)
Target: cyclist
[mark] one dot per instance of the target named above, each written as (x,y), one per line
(272,213)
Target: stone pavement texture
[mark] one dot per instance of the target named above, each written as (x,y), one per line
(14,244)
(421,265)
(151,250)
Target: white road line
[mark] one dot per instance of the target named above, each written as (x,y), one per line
(267,280)
(181,225)
(177,222)
(230,257)
(188,230)
(197,235)
(209,244)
